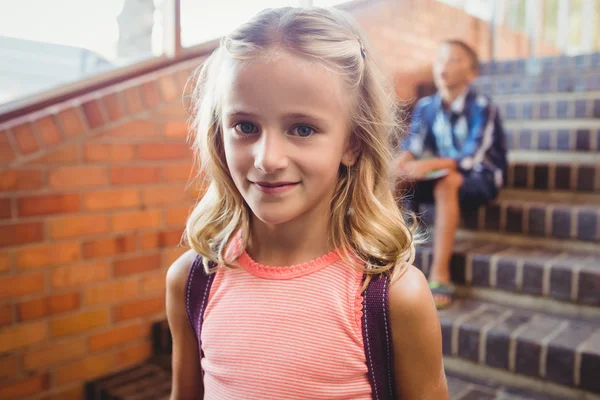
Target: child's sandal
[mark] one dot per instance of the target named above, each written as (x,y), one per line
(443,294)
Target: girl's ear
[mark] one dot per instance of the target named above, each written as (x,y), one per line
(352,151)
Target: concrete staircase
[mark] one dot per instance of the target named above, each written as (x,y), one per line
(527,323)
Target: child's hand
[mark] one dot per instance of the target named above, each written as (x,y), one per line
(416,170)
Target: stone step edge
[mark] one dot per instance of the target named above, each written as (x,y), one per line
(528,301)
(524,240)
(558,277)
(542,346)
(460,367)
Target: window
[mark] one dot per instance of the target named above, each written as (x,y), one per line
(201,23)
(45,44)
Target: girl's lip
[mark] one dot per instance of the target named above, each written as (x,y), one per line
(275,187)
(275,184)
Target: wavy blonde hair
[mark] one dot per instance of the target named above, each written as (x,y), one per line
(365,221)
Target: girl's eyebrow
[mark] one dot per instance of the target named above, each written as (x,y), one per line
(244,114)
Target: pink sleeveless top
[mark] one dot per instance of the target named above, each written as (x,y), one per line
(285,332)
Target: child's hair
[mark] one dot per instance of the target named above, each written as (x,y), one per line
(365,221)
(472,54)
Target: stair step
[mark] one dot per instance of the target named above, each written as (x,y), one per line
(534,218)
(532,344)
(546,107)
(558,172)
(465,387)
(544,83)
(538,65)
(143,382)
(554,274)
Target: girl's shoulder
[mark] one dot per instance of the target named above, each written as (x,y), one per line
(178,271)
(409,293)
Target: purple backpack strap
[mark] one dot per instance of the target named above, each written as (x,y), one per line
(196,296)
(377,337)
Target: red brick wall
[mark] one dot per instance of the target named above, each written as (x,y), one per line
(93,199)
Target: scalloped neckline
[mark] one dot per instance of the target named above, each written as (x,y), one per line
(287,272)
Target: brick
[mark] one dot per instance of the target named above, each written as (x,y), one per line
(49,305)
(560,358)
(9,367)
(7,153)
(20,285)
(23,335)
(134,175)
(70,393)
(79,274)
(116,336)
(80,322)
(49,130)
(112,292)
(113,106)
(163,195)
(170,238)
(150,95)
(109,246)
(21,179)
(66,154)
(168,88)
(164,151)
(134,353)
(70,227)
(6,315)
(54,353)
(111,199)
(136,265)
(176,129)
(134,220)
(25,138)
(93,113)
(48,204)
(139,308)
(5,208)
(529,346)
(155,282)
(177,216)
(5,261)
(25,387)
(109,152)
(71,122)
(133,100)
(138,129)
(76,177)
(44,255)
(171,110)
(84,369)
(178,173)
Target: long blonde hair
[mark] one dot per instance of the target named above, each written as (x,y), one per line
(366,221)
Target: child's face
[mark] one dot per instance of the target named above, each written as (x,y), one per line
(452,67)
(285,133)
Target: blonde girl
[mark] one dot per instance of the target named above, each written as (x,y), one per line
(293,127)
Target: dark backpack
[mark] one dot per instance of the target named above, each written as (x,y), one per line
(376,328)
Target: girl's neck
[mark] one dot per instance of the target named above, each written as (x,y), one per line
(302,239)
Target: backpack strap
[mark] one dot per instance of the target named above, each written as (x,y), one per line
(196,296)
(377,338)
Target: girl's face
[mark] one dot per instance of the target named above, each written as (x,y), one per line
(285,133)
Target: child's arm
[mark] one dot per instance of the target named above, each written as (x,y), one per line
(417,339)
(187,376)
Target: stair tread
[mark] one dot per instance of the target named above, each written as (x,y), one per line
(565,275)
(545,344)
(553,157)
(461,387)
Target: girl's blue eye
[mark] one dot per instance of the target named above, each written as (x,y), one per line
(303,130)
(246,128)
